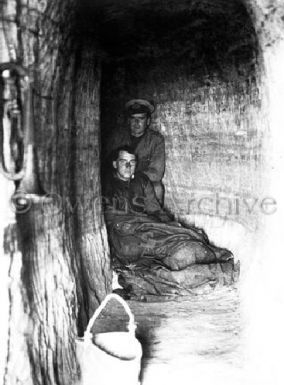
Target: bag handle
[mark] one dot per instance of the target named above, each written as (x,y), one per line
(131,323)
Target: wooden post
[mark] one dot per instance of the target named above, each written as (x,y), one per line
(91,234)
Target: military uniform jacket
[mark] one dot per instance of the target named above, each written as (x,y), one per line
(134,197)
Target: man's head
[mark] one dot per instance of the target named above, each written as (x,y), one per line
(124,162)
(139,116)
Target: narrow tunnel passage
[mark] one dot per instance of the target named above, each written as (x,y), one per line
(199,64)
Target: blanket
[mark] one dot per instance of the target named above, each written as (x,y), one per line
(143,240)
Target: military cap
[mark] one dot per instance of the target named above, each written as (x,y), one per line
(139,106)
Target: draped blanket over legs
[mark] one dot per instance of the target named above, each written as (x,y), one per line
(164,258)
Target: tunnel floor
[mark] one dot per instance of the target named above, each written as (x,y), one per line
(190,340)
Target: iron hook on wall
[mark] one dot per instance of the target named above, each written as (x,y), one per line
(17,147)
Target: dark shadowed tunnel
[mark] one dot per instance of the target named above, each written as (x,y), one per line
(200,62)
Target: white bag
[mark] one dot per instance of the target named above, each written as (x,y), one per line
(109,358)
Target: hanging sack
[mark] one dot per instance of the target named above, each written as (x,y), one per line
(111,358)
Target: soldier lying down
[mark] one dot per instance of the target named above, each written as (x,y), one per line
(141,231)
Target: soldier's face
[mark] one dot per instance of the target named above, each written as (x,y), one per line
(138,124)
(125,165)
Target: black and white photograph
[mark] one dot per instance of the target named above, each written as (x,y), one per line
(142,192)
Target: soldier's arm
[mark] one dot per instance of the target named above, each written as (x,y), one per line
(156,168)
(152,206)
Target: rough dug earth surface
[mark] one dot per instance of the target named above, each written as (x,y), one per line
(188,340)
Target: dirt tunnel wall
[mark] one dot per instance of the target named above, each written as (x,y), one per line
(56,256)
